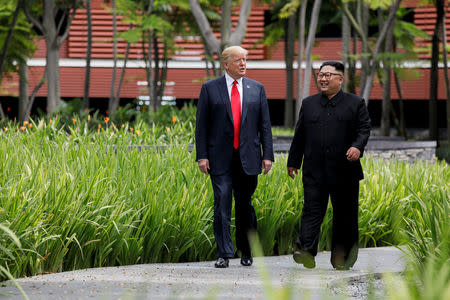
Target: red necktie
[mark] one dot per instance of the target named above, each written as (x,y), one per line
(236,109)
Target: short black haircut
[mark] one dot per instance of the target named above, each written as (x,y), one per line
(336,64)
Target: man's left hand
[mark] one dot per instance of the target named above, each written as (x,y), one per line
(266,165)
(353,154)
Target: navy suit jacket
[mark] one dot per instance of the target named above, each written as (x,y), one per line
(214,132)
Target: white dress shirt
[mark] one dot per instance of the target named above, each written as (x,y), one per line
(230,81)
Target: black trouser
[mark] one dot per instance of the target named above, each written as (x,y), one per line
(344,199)
(242,186)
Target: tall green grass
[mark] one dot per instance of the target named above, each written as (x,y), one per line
(427,237)
(79,196)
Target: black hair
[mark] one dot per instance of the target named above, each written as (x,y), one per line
(336,64)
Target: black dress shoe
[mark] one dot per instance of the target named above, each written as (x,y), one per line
(246,260)
(305,258)
(221,262)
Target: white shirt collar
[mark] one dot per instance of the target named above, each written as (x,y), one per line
(230,80)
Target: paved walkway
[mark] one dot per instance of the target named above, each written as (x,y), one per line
(202,281)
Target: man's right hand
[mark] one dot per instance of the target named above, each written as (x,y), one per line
(203,165)
(292,172)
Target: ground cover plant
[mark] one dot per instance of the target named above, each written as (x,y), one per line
(82,193)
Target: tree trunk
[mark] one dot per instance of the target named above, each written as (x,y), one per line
(52,75)
(434,76)
(289,60)
(239,32)
(366,85)
(225,25)
(124,68)
(157,74)
(209,59)
(357,31)
(309,45)
(51,37)
(6,46)
(211,40)
(87,74)
(389,21)
(447,83)
(301,47)
(352,66)
(402,131)
(53,42)
(113,102)
(23,92)
(149,70)
(346,37)
(34,93)
(386,102)
(234,38)
(163,77)
(363,19)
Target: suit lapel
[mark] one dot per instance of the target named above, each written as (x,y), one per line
(245,87)
(223,91)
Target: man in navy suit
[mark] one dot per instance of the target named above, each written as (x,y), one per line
(233,143)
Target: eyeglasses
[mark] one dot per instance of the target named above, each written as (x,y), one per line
(238,61)
(327,75)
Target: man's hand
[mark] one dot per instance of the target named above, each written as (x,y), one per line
(266,165)
(292,172)
(353,154)
(203,165)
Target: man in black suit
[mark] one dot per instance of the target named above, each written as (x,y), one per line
(330,136)
(232,127)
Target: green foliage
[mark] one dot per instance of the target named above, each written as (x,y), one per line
(132,36)
(21,46)
(405,32)
(70,117)
(282,131)
(375,4)
(135,13)
(168,115)
(273,33)
(383,4)
(427,238)
(408,74)
(166,19)
(288,9)
(84,190)
(78,196)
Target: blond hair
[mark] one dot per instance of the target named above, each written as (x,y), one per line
(230,51)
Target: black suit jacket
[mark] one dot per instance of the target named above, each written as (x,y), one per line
(326,129)
(214,132)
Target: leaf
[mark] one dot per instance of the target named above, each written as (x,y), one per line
(131,36)
(289,9)
(273,35)
(383,4)
(413,30)
(11,235)
(409,74)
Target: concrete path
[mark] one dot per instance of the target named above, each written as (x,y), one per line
(202,281)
